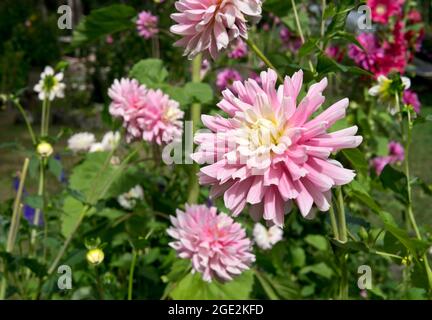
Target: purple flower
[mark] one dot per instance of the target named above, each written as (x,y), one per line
(239,50)
(28,212)
(226,78)
(411,98)
(147,25)
(396,153)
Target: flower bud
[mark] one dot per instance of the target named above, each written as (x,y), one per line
(44,149)
(95,256)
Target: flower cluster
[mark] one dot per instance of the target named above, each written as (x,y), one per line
(85,141)
(396,154)
(216,245)
(382,56)
(269,153)
(147,114)
(209,26)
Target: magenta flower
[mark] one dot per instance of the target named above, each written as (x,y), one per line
(382,10)
(411,98)
(226,78)
(290,40)
(147,25)
(396,155)
(239,50)
(150,115)
(209,26)
(216,245)
(269,153)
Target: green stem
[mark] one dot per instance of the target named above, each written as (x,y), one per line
(341,215)
(300,30)
(333,223)
(41,189)
(26,120)
(409,208)
(323,9)
(264,59)
(43,119)
(13,230)
(196,119)
(47,118)
(131,273)
(62,251)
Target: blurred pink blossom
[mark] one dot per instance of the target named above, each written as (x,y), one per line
(410,97)
(239,50)
(226,77)
(147,24)
(217,246)
(382,10)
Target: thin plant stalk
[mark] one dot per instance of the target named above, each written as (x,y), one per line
(41,189)
(407,138)
(333,223)
(26,120)
(299,29)
(193,193)
(13,230)
(131,273)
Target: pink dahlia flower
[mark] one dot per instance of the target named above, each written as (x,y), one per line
(410,97)
(147,114)
(382,10)
(209,26)
(226,78)
(217,246)
(270,152)
(239,50)
(147,25)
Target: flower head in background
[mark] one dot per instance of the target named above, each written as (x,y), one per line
(382,10)
(217,246)
(96,147)
(209,26)
(129,199)
(111,140)
(50,85)
(386,89)
(396,154)
(147,25)
(238,50)
(290,40)
(411,98)
(266,238)
(226,77)
(147,114)
(270,152)
(81,141)
(128,97)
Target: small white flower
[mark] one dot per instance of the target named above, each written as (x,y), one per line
(97,147)
(267,238)
(81,141)
(129,199)
(382,87)
(111,140)
(50,85)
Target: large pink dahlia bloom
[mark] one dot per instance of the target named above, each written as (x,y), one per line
(270,152)
(211,25)
(217,246)
(147,114)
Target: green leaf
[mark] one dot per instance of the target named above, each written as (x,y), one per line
(102,22)
(36,202)
(298,257)
(308,47)
(317,241)
(178,94)
(192,287)
(357,159)
(267,286)
(382,146)
(356,190)
(320,269)
(92,175)
(72,210)
(110,213)
(201,92)
(55,167)
(349,246)
(150,72)
(396,181)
